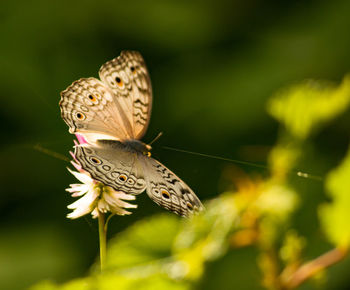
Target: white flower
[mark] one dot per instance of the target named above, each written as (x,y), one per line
(96,197)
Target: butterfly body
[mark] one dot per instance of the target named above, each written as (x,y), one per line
(138,146)
(112,114)
(135,146)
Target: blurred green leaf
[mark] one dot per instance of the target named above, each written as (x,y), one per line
(304,107)
(282,159)
(165,244)
(115,281)
(205,236)
(213,225)
(292,247)
(275,206)
(145,242)
(138,258)
(277,201)
(335,216)
(155,281)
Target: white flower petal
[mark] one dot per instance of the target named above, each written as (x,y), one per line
(78,213)
(85,201)
(81,207)
(78,189)
(123,195)
(96,198)
(95,213)
(121,211)
(84,178)
(114,201)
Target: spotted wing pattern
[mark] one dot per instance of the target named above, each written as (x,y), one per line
(168,190)
(89,108)
(128,79)
(112,165)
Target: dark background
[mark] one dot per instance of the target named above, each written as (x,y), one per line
(213,66)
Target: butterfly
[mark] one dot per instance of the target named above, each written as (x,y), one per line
(113,114)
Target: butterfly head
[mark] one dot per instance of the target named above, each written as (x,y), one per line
(148,148)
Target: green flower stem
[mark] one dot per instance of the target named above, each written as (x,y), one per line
(102,231)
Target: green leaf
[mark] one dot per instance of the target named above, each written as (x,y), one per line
(335,216)
(213,226)
(153,282)
(304,107)
(145,242)
(205,237)
(115,281)
(277,201)
(292,247)
(282,159)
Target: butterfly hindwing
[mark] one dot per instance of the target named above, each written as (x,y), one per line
(128,78)
(167,190)
(113,165)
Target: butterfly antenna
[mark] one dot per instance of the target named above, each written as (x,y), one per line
(297,172)
(157,137)
(51,153)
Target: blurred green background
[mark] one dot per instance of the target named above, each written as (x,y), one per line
(213,66)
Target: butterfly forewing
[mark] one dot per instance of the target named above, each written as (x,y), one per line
(89,107)
(128,78)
